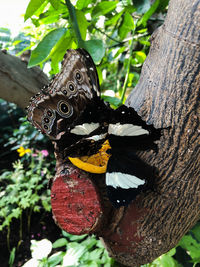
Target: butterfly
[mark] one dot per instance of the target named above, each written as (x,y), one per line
(70,111)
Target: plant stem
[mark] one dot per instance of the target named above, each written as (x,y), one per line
(72,15)
(20,229)
(118,42)
(127,73)
(29,219)
(8,238)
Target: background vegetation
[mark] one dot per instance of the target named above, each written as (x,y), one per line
(117,35)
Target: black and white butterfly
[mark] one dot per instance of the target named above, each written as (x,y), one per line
(71,112)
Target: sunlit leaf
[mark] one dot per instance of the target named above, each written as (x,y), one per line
(140,55)
(55,3)
(82,23)
(80,4)
(120,51)
(96,49)
(55,259)
(44,47)
(59,51)
(114,19)
(190,244)
(127,25)
(33,6)
(60,243)
(112,100)
(103,8)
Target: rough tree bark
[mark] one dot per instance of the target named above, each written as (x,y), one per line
(18,83)
(167,95)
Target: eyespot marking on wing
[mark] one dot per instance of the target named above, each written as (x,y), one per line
(64,109)
(71,87)
(48,120)
(78,76)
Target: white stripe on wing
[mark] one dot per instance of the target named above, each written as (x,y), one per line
(85,128)
(126,129)
(126,181)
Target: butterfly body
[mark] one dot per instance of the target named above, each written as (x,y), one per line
(71,112)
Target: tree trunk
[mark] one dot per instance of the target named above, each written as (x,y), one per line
(167,96)
(18,83)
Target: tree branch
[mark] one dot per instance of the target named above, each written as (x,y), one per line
(18,83)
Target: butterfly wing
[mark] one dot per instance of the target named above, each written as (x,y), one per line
(126,173)
(60,106)
(126,176)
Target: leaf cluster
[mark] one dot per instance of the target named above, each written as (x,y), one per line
(24,190)
(186,253)
(72,250)
(26,135)
(115,33)
(88,251)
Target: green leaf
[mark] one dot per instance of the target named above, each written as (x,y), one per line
(190,244)
(36,208)
(44,47)
(142,5)
(196,231)
(166,260)
(80,4)
(33,6)
(140,56)
(103,8)
(96,254)
(149,13)
(82,23)
(96,49)
(99,72)
(46,204)
(89,242)
(60,243)
(114,19)
(126,26)
(76,237)
(112,100)
(55,259)
(59,51)
(16,212)
(162,6)
(119,51)
(12,256)
(55,3)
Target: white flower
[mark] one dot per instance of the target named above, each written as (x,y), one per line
(40,249)
(31,263)
(73,255)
